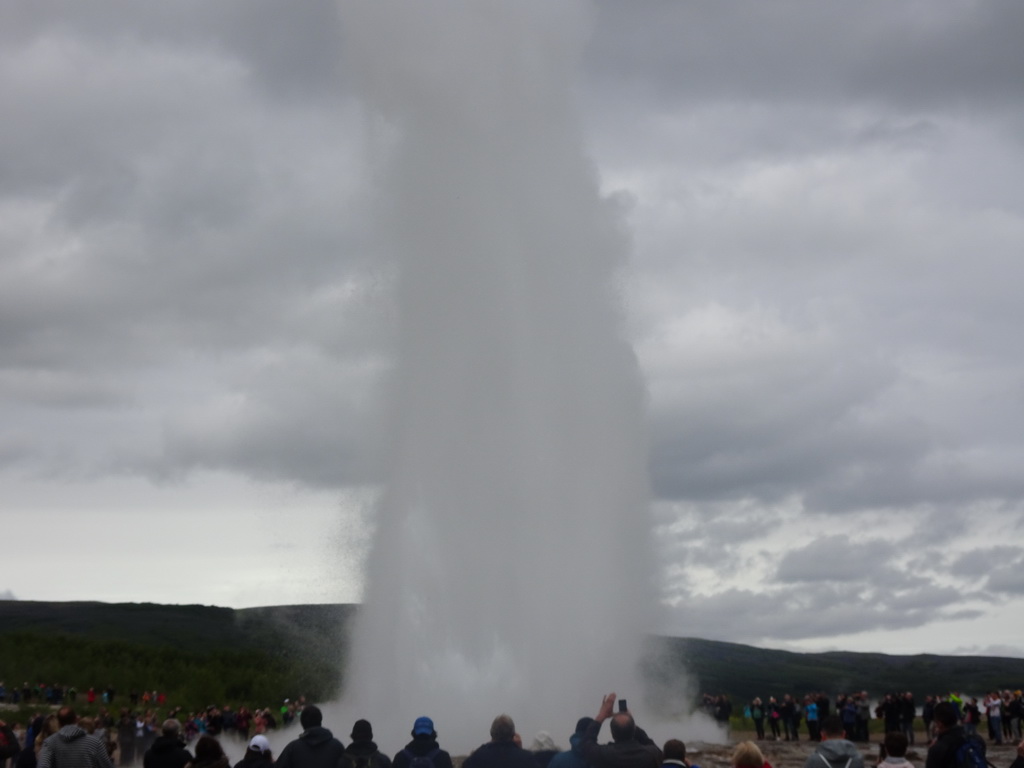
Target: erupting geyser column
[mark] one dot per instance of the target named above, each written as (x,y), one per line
(510,571)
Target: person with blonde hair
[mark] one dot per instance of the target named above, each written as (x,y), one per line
(747,755)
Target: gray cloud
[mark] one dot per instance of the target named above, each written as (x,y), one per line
(823,295)
(834,558)
(979,562)
(1007,577)
(917,54)
(818,611)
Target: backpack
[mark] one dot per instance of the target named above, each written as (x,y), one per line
(825,760)
(971,754)
(422,761)
(368,760)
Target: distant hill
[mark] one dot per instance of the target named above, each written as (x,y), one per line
(197,654)
(743,671)
(308,642)
(188,627)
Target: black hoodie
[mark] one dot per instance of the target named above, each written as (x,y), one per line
(315,748)
(365,754)
(167,752)
(422,746)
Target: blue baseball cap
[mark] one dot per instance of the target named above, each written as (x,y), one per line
(423,726)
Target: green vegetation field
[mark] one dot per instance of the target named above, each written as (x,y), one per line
(202,655)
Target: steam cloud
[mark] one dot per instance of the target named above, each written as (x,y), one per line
(511,570)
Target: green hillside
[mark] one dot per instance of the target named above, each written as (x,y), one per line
(202,654)
(743,671)
(196,654)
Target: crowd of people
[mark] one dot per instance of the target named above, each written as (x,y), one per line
(951,746)
(63,740)
(784,718)
(130,733)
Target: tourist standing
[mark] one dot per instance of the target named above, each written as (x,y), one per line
(501,751)
(423,748)
(316,746)
(834,751)
(949,738)
(573,757)
(362,751)
(72,747)
(630,747)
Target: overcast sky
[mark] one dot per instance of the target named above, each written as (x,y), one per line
(824,294)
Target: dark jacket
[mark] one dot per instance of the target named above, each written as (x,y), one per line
(167,752)
(639,752)
(836,753)
(500,754)
(255,759)
(942,754)
(422,746)
(9,746)
(315,748)
(364,753)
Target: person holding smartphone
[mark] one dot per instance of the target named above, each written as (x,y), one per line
(631,747)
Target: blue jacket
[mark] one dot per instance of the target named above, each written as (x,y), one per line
(571,758)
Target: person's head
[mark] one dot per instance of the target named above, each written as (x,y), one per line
(311,717)
(747,755)
(66,716)
(622,726)
(503,729)
(171,727)
(87,724)
(208,750)
(362,731)
(895,744)
(423,728)
(674,750)
(259,746)
(944,716)
(543,742)
(582,724)
(832,727)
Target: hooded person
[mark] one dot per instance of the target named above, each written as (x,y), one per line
(573,757)
(834,751)
(71,746)
(257,754)
(168,750)
(316,746)
(209,753)
(423,751)
(362,751)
